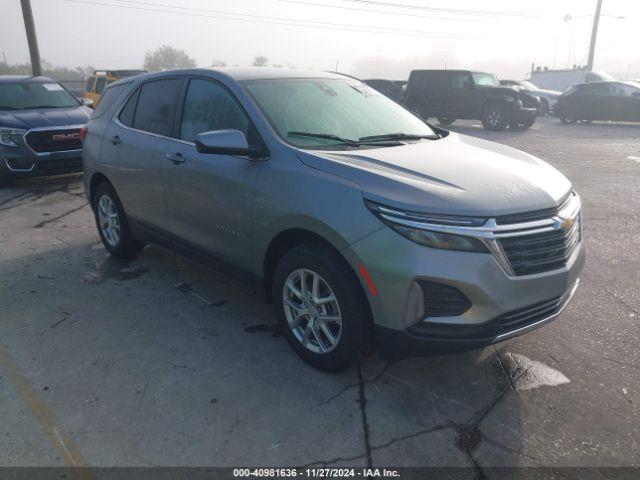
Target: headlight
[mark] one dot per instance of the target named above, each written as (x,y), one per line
(9,135)
(415,227)
(445,241)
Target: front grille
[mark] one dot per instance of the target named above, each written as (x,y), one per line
(55,140)
(531,216)
(443,300)
(541,252)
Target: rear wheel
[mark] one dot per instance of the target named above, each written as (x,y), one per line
(495,118)
(446,120)
(522,125)
(544,108)
(320,306)
(568,121)
(112,224)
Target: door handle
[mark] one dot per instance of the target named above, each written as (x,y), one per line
(175,158)
(115,139)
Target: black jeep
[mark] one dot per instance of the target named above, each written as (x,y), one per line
(452,94)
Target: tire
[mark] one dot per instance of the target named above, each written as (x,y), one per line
(525,125)
(350,305)
(495,118)
(585,122)
(446,120)
(544,108)
(106,205)
(568,121)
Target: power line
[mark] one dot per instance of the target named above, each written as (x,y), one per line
(447,10)
(413,15)
(222,15)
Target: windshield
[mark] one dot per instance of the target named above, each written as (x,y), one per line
(29,95)
(341,108)
(488,79)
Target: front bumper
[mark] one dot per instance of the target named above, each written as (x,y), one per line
(20,162)
(499,301)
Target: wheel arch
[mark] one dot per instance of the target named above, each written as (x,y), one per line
(96,179)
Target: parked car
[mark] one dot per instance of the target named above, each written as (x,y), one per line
(560,80)
(452,94)
(354,217)
(548,98)
(40,123)
(614,101)
(389,88)
(99,80)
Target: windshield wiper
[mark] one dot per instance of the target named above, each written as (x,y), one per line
(398,136)
(325,136)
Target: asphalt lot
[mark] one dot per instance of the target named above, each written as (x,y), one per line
(161,362)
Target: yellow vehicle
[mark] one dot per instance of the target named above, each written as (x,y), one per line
(101,78)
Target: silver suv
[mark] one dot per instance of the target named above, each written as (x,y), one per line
(361,223)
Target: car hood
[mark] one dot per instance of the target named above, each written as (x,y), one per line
(455,175)
(44,117)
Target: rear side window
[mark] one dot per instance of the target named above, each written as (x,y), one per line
(126,115)
(100,83)
(209,106)
(157,106)
(110,95)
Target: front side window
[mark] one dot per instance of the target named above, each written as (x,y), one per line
(343,107)
(157,106)
(209,106)
(485,79)
(32,95)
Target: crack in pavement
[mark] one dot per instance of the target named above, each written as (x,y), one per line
(346,388)
(362,401)
(58,217)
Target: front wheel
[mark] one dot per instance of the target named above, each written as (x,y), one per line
(495,118)
(522,125)
(320,306)
(112,224)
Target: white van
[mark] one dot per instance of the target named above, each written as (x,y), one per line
(563,79)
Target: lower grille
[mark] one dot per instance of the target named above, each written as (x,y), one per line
(526,316)
(443,300)
(541,252)
(55,140)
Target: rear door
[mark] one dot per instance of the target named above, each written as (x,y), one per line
(210,196)
(143,135)
(460,95)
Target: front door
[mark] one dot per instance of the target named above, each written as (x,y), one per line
(210,196)
(460,95)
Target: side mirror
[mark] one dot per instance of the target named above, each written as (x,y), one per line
(87,102)
(227,142)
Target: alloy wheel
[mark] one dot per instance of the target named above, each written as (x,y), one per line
(312,311)
(494,118)
(109,220)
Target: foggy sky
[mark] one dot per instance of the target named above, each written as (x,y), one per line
(103,34)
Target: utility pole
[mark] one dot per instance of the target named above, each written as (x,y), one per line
(30,28)
(594,34)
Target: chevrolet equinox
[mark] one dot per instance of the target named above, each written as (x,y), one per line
(360,222)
